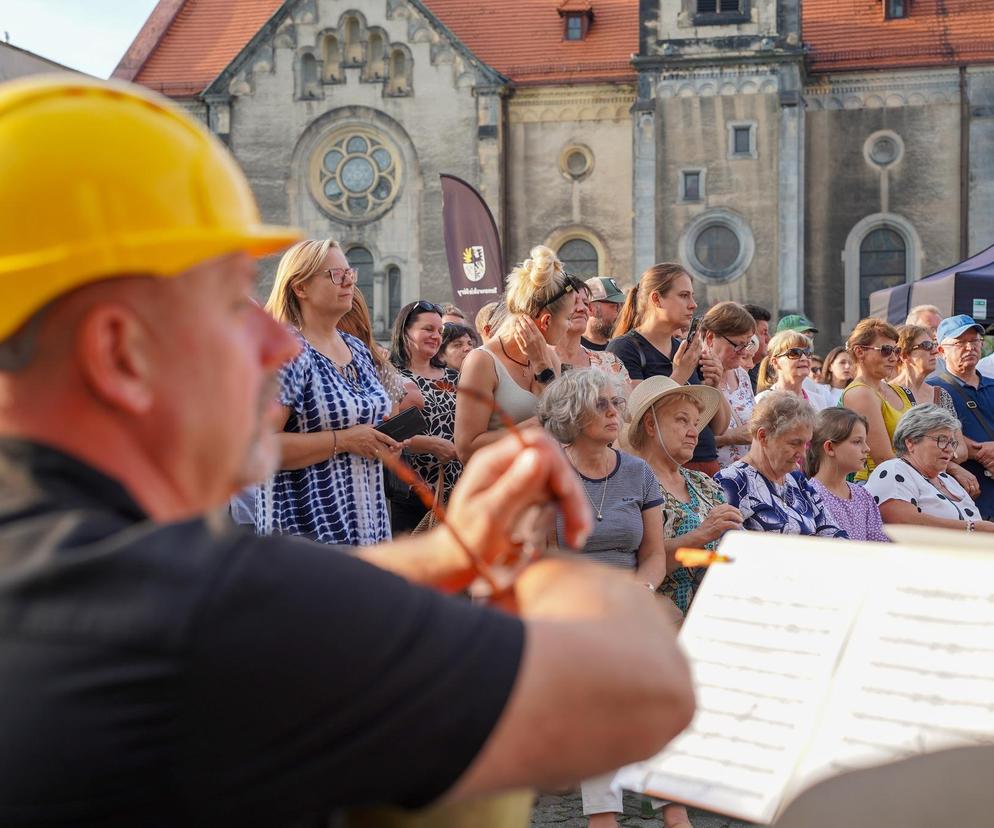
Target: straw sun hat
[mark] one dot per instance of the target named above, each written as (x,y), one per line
(652,390)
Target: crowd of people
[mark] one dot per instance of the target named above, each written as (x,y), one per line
(678,425)
(164,666)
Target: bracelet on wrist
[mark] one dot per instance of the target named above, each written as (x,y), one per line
(971,526)
(334,443)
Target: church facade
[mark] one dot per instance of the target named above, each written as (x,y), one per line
(797,160)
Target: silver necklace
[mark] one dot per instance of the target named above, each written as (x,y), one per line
(599,511)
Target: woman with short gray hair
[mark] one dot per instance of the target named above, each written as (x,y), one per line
(584,410)
(915,486)
(767,484)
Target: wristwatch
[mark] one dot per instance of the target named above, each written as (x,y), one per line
(545,376)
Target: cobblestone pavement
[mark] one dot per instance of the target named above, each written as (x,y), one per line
(565,811)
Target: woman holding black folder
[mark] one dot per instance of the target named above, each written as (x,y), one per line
(416,340)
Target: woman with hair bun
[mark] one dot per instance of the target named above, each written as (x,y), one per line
(512,368)
(655,312)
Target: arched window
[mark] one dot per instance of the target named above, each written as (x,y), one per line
(393,293)
(882,250)
(332,59)
(883,263)
(353,43)
(310,87)
(362,260)
(400,73)
(579,257)
(376,57)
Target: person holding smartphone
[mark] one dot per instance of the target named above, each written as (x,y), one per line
(415,345)
(648,344)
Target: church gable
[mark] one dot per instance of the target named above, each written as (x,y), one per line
(334,36)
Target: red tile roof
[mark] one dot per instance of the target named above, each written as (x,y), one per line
(843,35)
(522,39)
(203,38)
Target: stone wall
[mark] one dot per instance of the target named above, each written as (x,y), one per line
(547,204)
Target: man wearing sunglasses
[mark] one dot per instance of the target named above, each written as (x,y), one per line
(961,339)
(161,667)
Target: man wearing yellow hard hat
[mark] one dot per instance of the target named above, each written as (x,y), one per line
(159,666)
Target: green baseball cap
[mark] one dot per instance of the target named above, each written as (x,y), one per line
(796,322)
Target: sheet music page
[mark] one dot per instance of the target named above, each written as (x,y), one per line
(918,673)
(763,637)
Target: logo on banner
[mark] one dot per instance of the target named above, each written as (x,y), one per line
(474,264)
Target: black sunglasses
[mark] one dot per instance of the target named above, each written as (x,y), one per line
(422,307)
(572,283)
(796,353)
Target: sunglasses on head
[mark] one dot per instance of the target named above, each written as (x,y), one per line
(796,353)
(422,307)
(571,284)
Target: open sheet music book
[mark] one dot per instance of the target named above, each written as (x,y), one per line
(813,656)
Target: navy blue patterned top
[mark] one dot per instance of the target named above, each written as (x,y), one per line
(339,500)
(791,508)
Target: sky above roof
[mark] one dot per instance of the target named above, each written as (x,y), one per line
(88,35)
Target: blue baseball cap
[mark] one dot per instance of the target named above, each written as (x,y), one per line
(953,327)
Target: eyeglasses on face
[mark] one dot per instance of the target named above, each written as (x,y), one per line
(943,442)
(741,348)
(341,275)
(927,346)
(796,353)
(963,343)
(885,350)
(604,403)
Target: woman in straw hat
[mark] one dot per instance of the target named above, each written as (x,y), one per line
(666,419)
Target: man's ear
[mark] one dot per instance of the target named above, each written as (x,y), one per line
(113,350)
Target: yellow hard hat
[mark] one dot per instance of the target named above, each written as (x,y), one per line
(102,179)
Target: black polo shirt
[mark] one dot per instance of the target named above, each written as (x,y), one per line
(194,674)
(644,360)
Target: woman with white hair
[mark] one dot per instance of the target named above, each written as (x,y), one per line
(914,486)
(512,368)
(584,410)
(330,486)
(767,485)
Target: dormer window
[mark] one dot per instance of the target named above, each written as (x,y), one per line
(719,12)
(577,16)
(895,9)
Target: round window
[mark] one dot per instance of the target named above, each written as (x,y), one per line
(717,246)
(884,148)
(576,161)
(355,174)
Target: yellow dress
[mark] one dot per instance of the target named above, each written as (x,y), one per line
(890,414)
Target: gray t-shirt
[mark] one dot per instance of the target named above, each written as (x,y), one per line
(627,491)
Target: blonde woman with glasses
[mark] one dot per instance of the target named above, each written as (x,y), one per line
(330,486)
(787,366)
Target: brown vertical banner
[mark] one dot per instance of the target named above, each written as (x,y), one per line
(472,245)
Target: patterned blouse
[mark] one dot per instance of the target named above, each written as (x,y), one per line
(608,363)
(440,412)
(793,507)
(741,401)
(858,515)
(339,500)
(679,518)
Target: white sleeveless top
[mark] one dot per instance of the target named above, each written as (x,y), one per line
(514,400)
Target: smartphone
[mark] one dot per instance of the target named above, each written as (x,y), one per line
(694,325)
